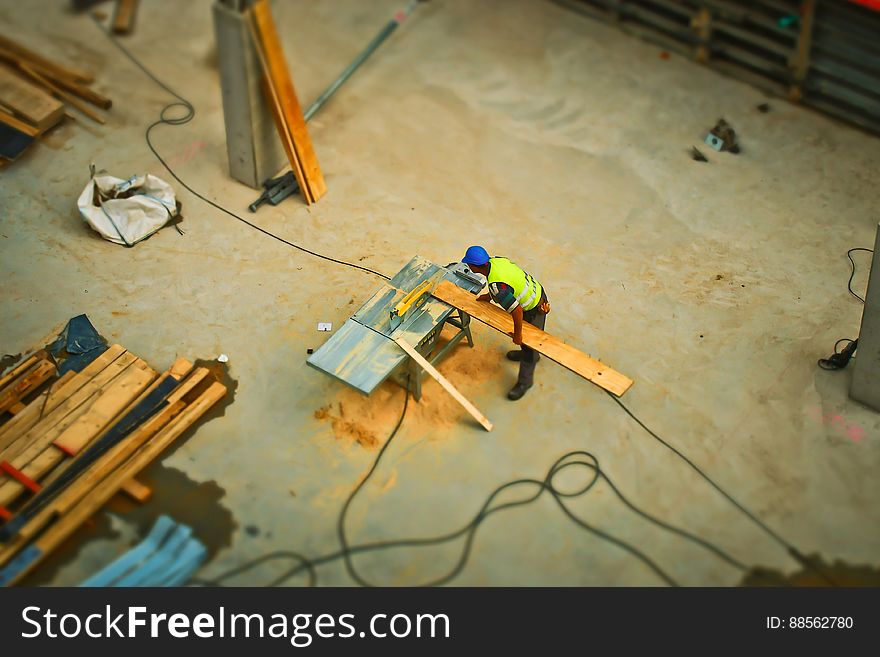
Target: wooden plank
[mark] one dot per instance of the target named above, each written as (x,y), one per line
(123,19)
(566,355)
(65,82)
(443,381)
(26,382)
(21,367)
(62,94)
(76,74)
(137,491)
(29,102)
(60,417)
(101,493)
(58,392)
(288,113)
(87,94)
(273,99)
(45,454)
(25,418)
(105,407)
(800,59)
(178,370)
(16,408)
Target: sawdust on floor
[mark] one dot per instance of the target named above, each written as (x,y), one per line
(356,418)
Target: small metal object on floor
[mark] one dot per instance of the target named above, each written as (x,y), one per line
(697,155)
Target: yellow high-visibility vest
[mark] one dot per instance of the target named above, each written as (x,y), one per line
(525,288)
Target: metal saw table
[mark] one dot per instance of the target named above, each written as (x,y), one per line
(363,353)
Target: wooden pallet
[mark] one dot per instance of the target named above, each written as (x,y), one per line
(54,438)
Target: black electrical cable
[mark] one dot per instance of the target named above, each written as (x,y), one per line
(853,272)
(186,117)
(469,529)
(571,459)
(840,359)
(340,524)
(791,549)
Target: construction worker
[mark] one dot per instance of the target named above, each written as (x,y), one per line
(523,297)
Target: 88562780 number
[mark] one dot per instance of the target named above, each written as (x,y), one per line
(820,622)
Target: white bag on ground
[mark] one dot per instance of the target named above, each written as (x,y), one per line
(127,211)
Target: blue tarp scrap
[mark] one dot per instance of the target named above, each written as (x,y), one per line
(77,345)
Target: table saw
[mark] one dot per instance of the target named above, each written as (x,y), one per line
(363,353)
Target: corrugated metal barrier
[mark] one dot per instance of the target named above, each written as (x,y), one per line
(822,53)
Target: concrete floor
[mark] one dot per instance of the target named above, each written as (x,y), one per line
(549,138)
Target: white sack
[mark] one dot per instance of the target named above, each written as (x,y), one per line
(127,220)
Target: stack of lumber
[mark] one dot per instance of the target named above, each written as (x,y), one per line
(81,439)
(285,107)
(35,93)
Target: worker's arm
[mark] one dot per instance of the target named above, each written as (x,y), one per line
(517,315)
(502,294)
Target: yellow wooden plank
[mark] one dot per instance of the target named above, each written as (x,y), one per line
(290,121)
(26,382)
(137,491)
(21,126)
(105,408)
(58,392)
(67,71)
(69,98)
(30,103)
(67,83)
(443,381)
(54,422)
(564,354)
(21,367)
(123,18)
(40,458)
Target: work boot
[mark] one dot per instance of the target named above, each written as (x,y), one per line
(517,391)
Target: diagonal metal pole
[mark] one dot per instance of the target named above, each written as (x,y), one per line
(380,38)
(278,189)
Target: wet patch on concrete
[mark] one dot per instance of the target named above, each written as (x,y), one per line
(820,573)
(193,503)
(217,372)
(96,528)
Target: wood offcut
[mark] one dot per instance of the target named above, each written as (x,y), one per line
(28,102)
(123,18)
(566,355)
(444,382)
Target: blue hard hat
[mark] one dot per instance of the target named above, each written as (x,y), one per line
(476,255)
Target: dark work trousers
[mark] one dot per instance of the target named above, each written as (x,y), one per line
(530,357)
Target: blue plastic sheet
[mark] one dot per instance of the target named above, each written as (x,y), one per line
(77,345)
